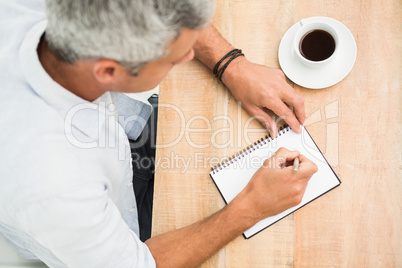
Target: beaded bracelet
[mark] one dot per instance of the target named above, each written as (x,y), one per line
(234,53)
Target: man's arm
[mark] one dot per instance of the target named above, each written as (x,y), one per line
(255,86)
(273,189)
(191,245)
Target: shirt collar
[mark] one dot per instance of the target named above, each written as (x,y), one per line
(74,110)
(133,115)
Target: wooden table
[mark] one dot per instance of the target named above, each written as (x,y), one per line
(356,123)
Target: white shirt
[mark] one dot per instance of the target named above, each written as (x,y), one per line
(66,195)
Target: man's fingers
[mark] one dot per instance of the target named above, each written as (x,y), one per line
(301,115)
(284,157)
(307,166)
(303,158)
(284,112)
(267,121)
(297,102)
(286,154)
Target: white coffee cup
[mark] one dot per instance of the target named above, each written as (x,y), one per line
(306,27)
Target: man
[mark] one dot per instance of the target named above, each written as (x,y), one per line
(66,195)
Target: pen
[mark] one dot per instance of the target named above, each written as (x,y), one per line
(296,164)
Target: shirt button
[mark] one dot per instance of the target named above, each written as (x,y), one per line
(130,184)
(132,209)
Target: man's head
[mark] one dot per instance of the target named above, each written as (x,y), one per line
(138,36)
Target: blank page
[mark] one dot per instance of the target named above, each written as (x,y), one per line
(232,177)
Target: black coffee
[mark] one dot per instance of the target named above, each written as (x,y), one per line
(317,45)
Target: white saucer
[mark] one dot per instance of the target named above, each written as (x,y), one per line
(323,77)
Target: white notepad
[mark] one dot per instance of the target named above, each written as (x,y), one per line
(232,176)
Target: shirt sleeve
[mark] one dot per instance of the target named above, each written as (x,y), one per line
(83,228)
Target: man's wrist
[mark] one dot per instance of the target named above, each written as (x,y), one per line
(241,210)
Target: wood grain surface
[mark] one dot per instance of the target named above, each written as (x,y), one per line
(356,123)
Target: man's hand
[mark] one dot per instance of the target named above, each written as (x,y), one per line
(258,87)
(255,86)
(275,187)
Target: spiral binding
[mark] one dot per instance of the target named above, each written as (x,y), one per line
(248,150)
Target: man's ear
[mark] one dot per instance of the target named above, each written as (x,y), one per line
(107,71)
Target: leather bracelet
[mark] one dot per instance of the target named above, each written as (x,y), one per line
(238,53)
(230,53)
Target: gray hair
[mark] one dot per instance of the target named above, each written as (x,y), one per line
(132,32)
